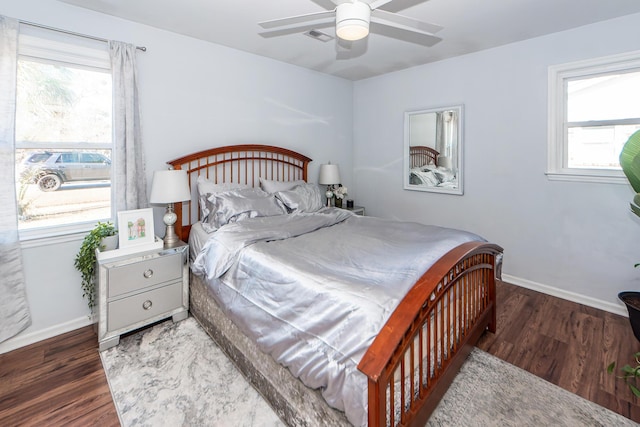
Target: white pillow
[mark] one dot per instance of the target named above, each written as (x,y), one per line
(301,198)
(418,177)
(207,187)
(275,186)
(444,174)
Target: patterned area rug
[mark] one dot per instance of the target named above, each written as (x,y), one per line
(175,375)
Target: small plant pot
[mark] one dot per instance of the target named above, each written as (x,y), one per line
(109,243)
(632,301)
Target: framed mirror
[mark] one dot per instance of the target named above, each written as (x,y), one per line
(433,150)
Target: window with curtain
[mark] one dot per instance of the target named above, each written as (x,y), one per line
(64,135)
(593,110)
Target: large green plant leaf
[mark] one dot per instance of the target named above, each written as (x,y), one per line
(630,160)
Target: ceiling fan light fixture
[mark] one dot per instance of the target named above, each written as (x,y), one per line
(352,21)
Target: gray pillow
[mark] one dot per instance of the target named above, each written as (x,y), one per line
(207,187)
(272,187)
(301,198)
(236,205)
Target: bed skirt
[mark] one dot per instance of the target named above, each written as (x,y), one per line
(293,402)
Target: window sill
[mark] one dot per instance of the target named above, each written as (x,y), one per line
(54,235)
(587,177)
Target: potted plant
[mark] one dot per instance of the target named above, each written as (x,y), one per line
(630,163)
(630,374)
(85,261)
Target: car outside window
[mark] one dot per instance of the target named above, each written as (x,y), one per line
(63,137)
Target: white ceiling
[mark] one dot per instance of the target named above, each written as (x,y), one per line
(469,26)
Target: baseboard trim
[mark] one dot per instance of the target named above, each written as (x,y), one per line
(567,295)
(28,338)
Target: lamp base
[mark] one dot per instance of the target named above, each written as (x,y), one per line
(329,195)
(171,239)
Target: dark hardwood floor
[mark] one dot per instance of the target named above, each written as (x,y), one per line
(60,381)
(565,343)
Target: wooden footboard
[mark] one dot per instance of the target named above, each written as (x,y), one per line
(418,352)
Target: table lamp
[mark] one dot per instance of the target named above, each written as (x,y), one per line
(329,176)
(169,187)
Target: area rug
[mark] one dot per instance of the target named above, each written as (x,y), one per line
(173,374)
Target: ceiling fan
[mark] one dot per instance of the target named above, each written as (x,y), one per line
(352,18)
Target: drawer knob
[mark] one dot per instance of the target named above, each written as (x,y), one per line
(147,304)
(147,274)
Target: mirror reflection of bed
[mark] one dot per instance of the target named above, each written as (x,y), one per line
(433,147)
(428,171)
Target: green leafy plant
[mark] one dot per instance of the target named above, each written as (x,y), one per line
(85,261)
(24,204)
(630,163)
(630,374)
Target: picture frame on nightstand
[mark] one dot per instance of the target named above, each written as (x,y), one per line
(135,228)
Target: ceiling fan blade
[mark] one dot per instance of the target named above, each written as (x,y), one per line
(300,19)
(377,3)
(402,33)
(297,29)
(404,22)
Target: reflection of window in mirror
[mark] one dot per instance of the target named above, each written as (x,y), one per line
(438,131)
(433,150)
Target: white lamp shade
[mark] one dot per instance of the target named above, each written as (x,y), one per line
(352,20)
(169,186)
(329,174)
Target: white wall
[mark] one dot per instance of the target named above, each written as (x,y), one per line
(576,240)
(194,95)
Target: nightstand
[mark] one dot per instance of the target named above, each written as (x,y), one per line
(138,289)
(358,210)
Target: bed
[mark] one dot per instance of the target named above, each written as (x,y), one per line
(430,169)
(420,345)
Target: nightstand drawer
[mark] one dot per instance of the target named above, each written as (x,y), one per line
(145,305)
(131,277)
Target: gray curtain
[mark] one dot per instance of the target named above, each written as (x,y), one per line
(446,139)
(14,310)
(441,143)
(129,178)
(453,138)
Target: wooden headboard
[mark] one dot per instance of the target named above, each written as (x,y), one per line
(242,164)
(420,155)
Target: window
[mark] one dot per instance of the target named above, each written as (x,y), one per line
(593,110)
(63,133)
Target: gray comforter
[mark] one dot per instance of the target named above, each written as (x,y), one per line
(313,290)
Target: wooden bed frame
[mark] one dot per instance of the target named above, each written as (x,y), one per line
(420,155)
(427,338)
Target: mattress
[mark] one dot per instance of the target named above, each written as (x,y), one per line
(197,238)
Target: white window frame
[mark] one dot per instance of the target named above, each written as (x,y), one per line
(43,45)
(557,145)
